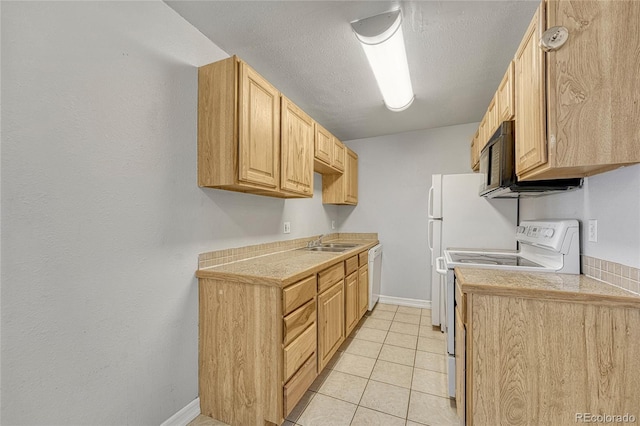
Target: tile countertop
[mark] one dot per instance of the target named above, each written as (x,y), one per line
(284,267)
(573,288)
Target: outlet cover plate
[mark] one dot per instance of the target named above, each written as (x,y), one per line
(593,230)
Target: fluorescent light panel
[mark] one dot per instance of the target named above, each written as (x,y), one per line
(383,43)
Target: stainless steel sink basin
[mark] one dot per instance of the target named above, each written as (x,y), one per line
(331,247)
(327,249)
(339,245)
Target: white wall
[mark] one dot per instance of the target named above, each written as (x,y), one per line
(102,220)
(613,199)
(395,175)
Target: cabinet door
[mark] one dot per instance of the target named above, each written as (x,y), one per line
(330,323)
(475,152)
(594,96)
(492,117)
(323,145)
(259,130)
(351,302)
(352,178)
(363,290)
(297,150)
(461,369)
(506,99)
(483,133)
(531,143)
(338,154)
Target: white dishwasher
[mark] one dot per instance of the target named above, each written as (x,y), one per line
(375,269)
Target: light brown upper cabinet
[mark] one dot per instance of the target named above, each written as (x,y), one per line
(483,133)
(323,148)
(505,95)
(297,150)
(342,189)
(531,150)
(242,144)
(238,128)
(329,153)
(475,152)
(492,120)
(578,107)
(338,155)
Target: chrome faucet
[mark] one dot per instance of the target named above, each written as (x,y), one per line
(316,242)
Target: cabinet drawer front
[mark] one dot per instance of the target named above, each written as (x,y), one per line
(363,258)
(298,385)
(330,276)
(298,351)
(296,322)
(298,294)
(351,265)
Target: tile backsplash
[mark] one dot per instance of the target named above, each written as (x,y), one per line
(612,273)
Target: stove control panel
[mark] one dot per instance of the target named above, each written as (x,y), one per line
(549,234)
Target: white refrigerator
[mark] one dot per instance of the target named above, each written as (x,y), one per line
(460,218)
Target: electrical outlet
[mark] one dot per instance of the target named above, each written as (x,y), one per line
(593,230)
(287,227)
(333,224)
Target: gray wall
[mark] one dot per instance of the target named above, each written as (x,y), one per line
(613,199)
(395,174)
(102,219)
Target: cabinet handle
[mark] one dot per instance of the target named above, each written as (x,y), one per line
(554,38)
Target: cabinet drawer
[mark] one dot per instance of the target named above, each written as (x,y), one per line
(330,276)
(363,258)
(298,385)
(351,265)
(297,321)
(298,351)
(298,294)
(461,300)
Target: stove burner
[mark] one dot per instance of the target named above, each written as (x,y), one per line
(479,261)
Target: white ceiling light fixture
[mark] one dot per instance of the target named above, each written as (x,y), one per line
(383,43)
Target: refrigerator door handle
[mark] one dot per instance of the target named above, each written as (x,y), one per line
(430,237)
(441,268)
(430,203)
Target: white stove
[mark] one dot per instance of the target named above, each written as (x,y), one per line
(545,246)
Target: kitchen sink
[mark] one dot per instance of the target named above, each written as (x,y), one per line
(338,245)
(331,247)
(326,249)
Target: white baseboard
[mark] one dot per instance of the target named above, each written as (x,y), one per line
(402,301)
(185,415)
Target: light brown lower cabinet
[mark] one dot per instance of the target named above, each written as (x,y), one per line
(534,361)
(261,346)
(351,306)
(331,331)
(461,369)
(363,290)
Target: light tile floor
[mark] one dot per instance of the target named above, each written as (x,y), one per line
(391,371)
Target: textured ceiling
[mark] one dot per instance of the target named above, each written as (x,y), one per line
(457,51)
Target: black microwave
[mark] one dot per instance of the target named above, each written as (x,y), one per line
(498,165)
